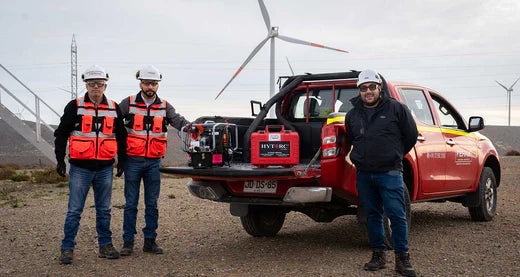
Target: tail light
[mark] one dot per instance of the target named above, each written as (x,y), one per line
(329,141)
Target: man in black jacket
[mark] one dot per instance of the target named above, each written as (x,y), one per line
(381,131)
(93,126)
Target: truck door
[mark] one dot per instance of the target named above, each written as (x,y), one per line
(461,147)
(431,146)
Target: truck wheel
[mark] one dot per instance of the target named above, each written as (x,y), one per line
(263,221)
(487,194)
(387,224)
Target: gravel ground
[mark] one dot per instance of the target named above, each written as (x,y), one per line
(201,238)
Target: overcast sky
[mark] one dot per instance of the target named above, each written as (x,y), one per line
(458,48)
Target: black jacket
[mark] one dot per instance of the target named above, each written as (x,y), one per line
(70,121)
(380,144)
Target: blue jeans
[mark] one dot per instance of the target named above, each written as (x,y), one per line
(148,170)
(79,184)
(384,191)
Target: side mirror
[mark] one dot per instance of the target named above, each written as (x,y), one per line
(476,123)
(256,107)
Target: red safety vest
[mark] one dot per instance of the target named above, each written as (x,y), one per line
(88,143)
(146,129)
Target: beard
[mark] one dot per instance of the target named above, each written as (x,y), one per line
(372,103)
(149,93)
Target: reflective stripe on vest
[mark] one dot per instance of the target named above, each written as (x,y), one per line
(87,143)
(146,141)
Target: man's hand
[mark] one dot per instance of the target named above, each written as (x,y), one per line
(120,169)
(186,128)
(61,168)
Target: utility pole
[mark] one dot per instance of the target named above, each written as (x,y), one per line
(73,68)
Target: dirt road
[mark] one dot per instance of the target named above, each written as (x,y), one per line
(201,238)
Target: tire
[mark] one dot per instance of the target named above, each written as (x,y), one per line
(263,221)
(487,194)
(387,223)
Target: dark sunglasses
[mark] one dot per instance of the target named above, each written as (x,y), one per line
(365,88)
(153,84)
(99,84)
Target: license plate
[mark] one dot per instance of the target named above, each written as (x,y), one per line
(260,186)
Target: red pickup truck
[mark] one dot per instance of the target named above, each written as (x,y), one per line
(450,162)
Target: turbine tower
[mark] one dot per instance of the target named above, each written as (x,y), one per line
(73,68)
(508,90)
(272,33)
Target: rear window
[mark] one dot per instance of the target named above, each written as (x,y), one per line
(320,102)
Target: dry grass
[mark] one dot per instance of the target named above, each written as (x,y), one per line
(6,173)
(11,166)
(20,177)
(512,153)
(48,176)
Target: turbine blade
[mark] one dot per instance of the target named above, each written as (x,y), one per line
(501,85)
(511,88)
(299,41)
(257,48)
(265,14)
(289,65)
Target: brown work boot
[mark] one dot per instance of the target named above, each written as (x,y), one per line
(377,262)
(128,248)
(66,256)
(151,246)
(108,252)
(402,264)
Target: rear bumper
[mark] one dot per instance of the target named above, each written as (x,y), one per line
(295,195)
(308,195)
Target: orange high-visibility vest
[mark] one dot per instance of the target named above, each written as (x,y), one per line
(88,143)
(146,127)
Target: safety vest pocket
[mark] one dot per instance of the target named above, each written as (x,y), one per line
(157,147)
(107,149)
(138,122)
(86,123)
(135,146)
(82,148)
(157,124)
(108,125)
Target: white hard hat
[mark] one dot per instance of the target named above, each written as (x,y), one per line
(368,76)
(149,72)
(94,72)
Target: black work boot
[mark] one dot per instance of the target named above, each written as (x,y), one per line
(108,251)
(377,262)
(151,246)
(128,248)
(66,256)
(402,264)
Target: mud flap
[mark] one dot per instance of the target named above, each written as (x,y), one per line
(238,209)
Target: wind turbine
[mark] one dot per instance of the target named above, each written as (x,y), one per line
(508,90)
(272,33)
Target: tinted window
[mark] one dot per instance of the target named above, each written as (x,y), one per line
(418,105)
(320,102)
(447,115)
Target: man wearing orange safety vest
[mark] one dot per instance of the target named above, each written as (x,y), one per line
(93,126)
(146,120)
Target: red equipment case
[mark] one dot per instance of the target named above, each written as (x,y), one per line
(275,148)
